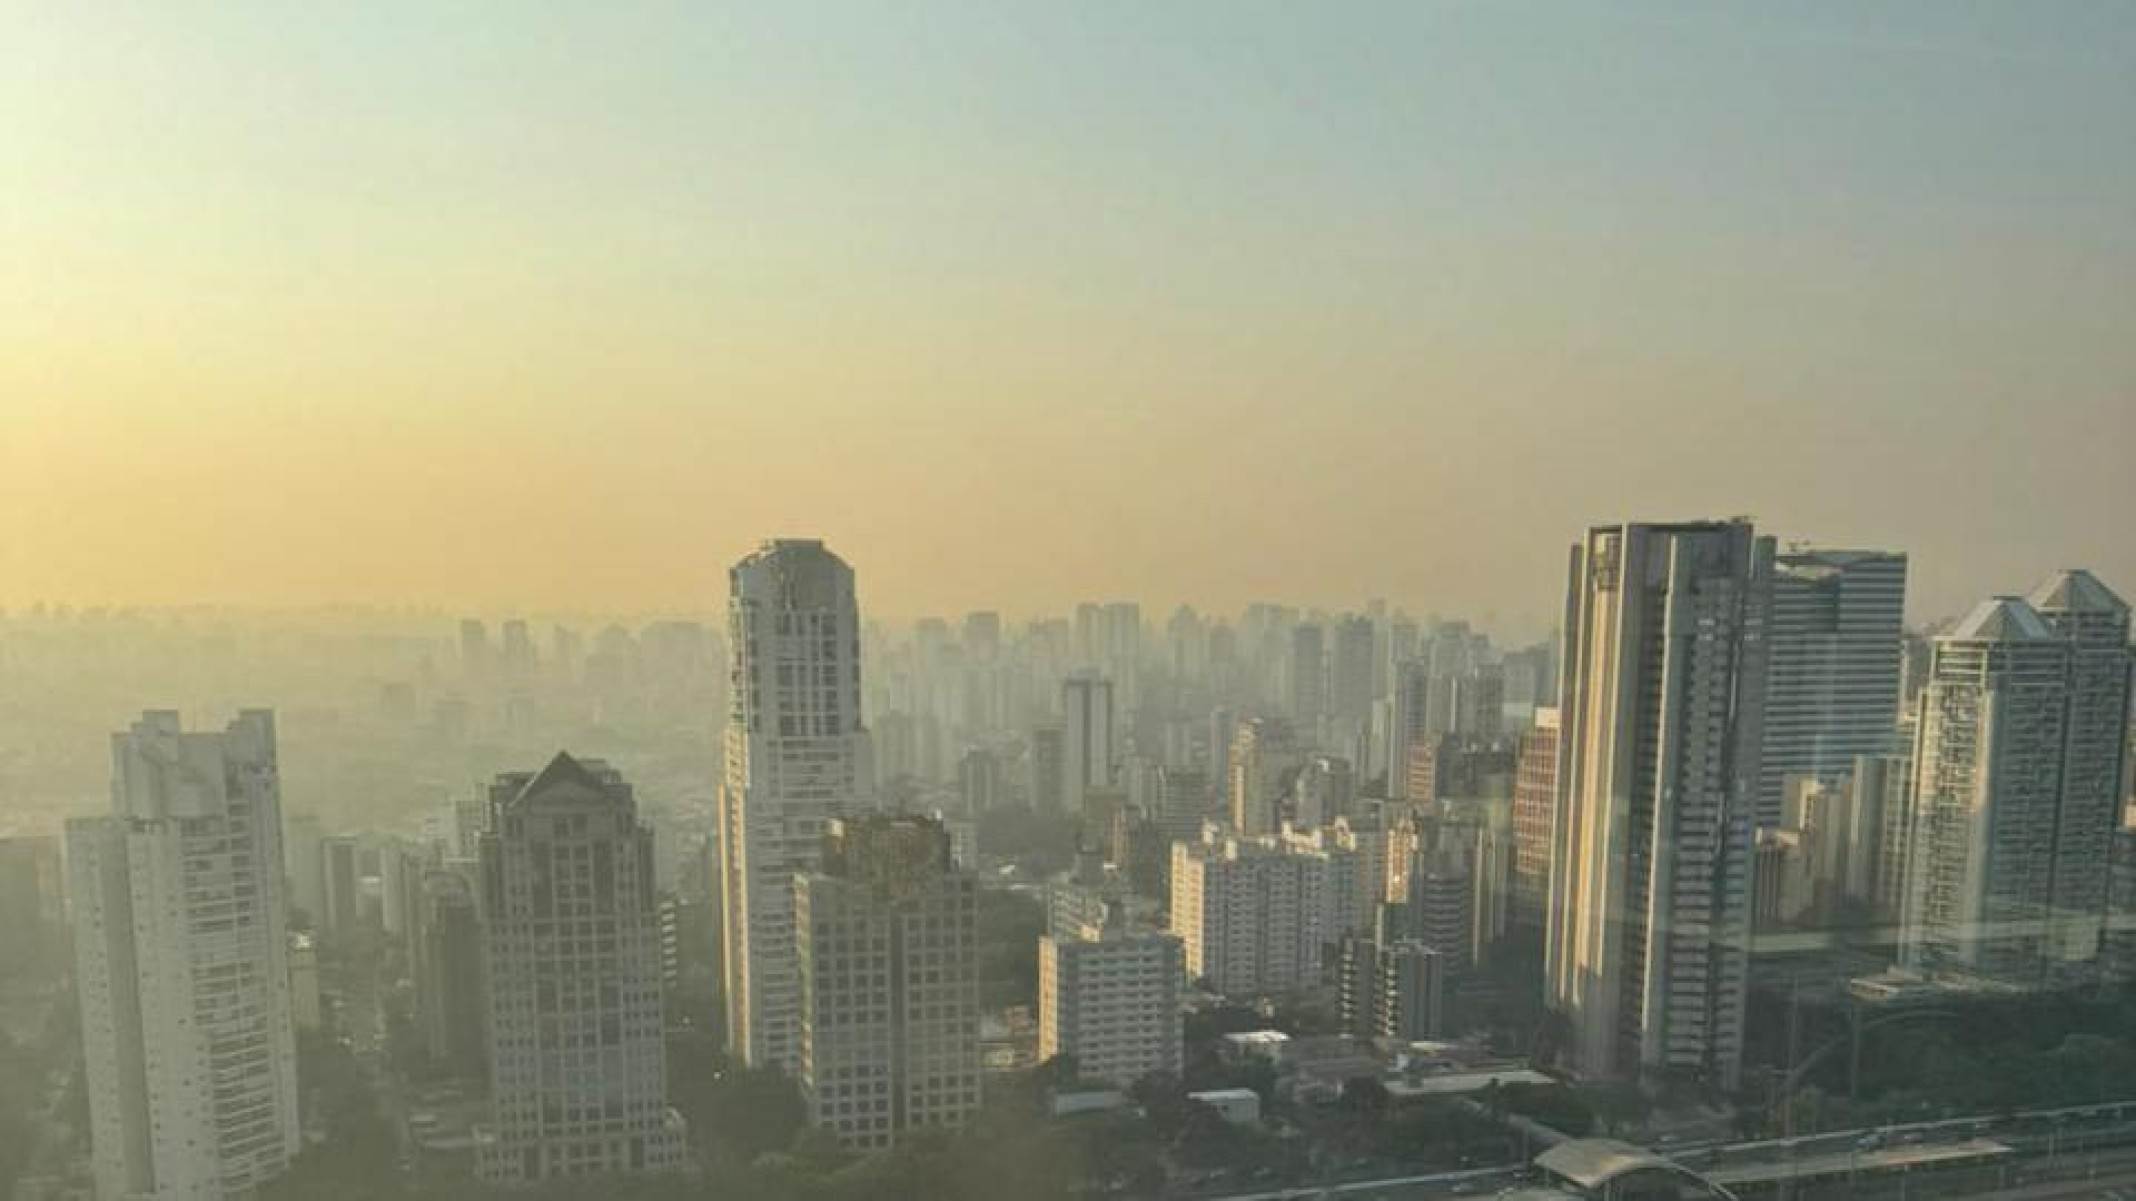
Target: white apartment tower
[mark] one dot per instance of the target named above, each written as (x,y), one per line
(1252,913)
(1647,932)
(1086,738)
(2018,760)
(571,953)
(796,756)
(182,965)
(889,995)
(1109,996)
(1832,691)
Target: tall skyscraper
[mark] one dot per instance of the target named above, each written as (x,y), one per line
(1832,692)
(571,951)
(1087,738)
(303,866)
(888,947)
(1350,690)
(2094,622)
(982,636)
(1410,707)
(1647,941)
(452,1007)
(796,756)
(340,886)
(1308,673)
(2017,769)
(182,965)
(474,652)
(1045,764)
(518,659)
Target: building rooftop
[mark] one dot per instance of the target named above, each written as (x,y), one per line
(1593,1162)
(1225,1094)
(1454,1083)
(562,770)
(2075,590)
(2002,619)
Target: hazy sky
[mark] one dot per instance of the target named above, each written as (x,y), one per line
(497,305)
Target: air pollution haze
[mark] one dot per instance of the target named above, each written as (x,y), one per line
(1021,305)
(1121,600)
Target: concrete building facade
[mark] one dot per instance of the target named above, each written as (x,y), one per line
(182,965)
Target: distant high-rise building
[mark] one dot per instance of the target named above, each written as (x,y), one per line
(1088,750)
(1251,912)
(2017,772)
(566,650)
(1479,699)
(182,965)
(796,756)
(1186,639)
(1122,660)
(475,666)
(1422,778)
(1534,817)
(1883,785)
(518,658)
(1784,888)
(1308,673)
(887,936)
(1264,761)
(1442,906)
(303,864)
(1223,727)
(979,784)
(1323,791)
(32,898)
(305,1011)
(1046,765)
(453,1009)
(1832,692)
(1090,640)
(1392,988)
(982,636)
(1411,705)
(1350,691)
(571,953)
(1182,803)
(340,885)
(1647,937)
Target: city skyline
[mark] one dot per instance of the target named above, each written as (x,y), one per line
(986,600)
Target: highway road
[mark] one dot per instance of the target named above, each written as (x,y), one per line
(2079,1147)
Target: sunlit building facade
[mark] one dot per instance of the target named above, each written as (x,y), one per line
(796,756)
(182,965)
(1647,934)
